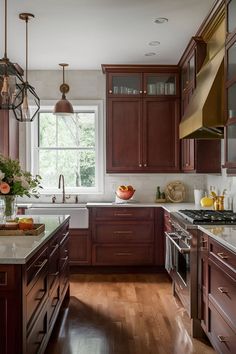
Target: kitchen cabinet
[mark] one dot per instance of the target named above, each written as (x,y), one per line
(9,135)
(80,247)
(230,86)
(200,156)
(32,294)
(123,236)
(139,100)
(217,290)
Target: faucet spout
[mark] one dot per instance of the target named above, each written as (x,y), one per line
(62,181)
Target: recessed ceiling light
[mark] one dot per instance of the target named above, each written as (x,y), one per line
(150,54)
(161,20)
(154,43)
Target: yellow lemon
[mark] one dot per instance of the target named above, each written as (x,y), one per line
(206,202)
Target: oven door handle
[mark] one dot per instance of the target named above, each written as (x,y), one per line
(172,236)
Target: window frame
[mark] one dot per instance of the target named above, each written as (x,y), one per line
(32,147)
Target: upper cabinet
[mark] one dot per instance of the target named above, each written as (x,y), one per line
(200,156)
(142,118)
(230,85)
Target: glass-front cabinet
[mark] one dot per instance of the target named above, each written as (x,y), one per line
(145,84)
(231,17)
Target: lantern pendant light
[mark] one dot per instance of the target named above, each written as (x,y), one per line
(10,75)
(63,107)
(26,93)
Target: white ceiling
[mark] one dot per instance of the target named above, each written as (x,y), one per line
(88,33)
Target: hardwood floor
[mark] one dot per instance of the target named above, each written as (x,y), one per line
(123,314)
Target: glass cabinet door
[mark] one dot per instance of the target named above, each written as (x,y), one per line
(191,64)
(231,10)
(231,143)
(160,84)
(231,94)
(231,65)
(125,84)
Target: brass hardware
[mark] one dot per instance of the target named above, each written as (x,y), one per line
(110,91)
(144,91)
(122,232)
(64,258)
(122,214)
(123,254)
(222,290)
(222,255)
(41,264)
(222,339)
(186,164)
(145,165)
(140,91)
(54,274)
(140,165)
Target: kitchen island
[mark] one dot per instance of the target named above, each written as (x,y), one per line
(34,282)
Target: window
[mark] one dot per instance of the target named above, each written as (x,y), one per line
(69,145)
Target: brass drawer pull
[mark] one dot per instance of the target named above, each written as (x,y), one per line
(65,258)
(222,290)
(122,214)
(123,254)
(222,255)
(122,232)
(222,339)
(54,274)
(41,264)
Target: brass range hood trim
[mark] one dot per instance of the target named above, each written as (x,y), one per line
(204,116)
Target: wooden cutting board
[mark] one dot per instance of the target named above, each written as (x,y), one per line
(37,230)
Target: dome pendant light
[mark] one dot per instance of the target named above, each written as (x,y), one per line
(63,107)
(10,75)
(27,94)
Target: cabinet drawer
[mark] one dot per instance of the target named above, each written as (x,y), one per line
(124,233)
(53,267)
(36,268)
(123,255)
(64,278)
(64,251)
(222,256)
(35,299)
(38,334)
(122,213)
(222,291)
(53,303)
(223,338)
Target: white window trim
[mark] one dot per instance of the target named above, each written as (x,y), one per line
(32,140)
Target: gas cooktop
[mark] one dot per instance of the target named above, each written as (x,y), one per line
(206,217)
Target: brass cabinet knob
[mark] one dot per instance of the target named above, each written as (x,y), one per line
(110,91)
(145,165)
(140,165)
(140,91)
(144,91)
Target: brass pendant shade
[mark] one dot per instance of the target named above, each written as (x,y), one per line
(63,107)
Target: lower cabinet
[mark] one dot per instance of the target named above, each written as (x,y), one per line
(217,284)
(80,247)
(31,296)
(126,236)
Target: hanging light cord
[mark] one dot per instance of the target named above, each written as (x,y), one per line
(5,52)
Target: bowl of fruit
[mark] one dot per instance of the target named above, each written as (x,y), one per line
(125,192)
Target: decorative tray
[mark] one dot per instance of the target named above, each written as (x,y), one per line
(175,191)
(8,231)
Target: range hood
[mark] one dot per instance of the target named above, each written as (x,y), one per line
(204,116)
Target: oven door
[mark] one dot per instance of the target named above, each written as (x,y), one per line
(177,263)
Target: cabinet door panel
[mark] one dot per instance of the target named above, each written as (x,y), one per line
(79,247)
(161,147)
(123,135)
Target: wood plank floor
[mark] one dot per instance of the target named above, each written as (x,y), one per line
(123,314)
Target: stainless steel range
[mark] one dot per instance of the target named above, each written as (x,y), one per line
(182,245)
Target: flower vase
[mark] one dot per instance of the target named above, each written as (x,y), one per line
(9,206)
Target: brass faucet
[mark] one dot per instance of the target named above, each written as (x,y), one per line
(61,178)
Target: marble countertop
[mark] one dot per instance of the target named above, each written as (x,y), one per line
(19,249)
(167,206)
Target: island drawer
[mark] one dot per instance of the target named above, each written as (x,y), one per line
(123,213)
(124,232)
(222,291)
(36,267)
(37,336)
(123,255)
(222,256)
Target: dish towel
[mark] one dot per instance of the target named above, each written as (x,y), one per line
(169,256)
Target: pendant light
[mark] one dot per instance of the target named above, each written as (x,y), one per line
(26,93)
(63,107)
(10,76)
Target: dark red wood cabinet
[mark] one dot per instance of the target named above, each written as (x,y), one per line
(217,294)
(142,119)
(123,236)
(31,296)
(80,247)
(9,135)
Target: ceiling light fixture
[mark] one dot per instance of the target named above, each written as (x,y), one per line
(154,43)
(63,107)
(161,20)
(10,75)
(26,93)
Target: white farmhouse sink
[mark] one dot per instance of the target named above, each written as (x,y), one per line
(79,216)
